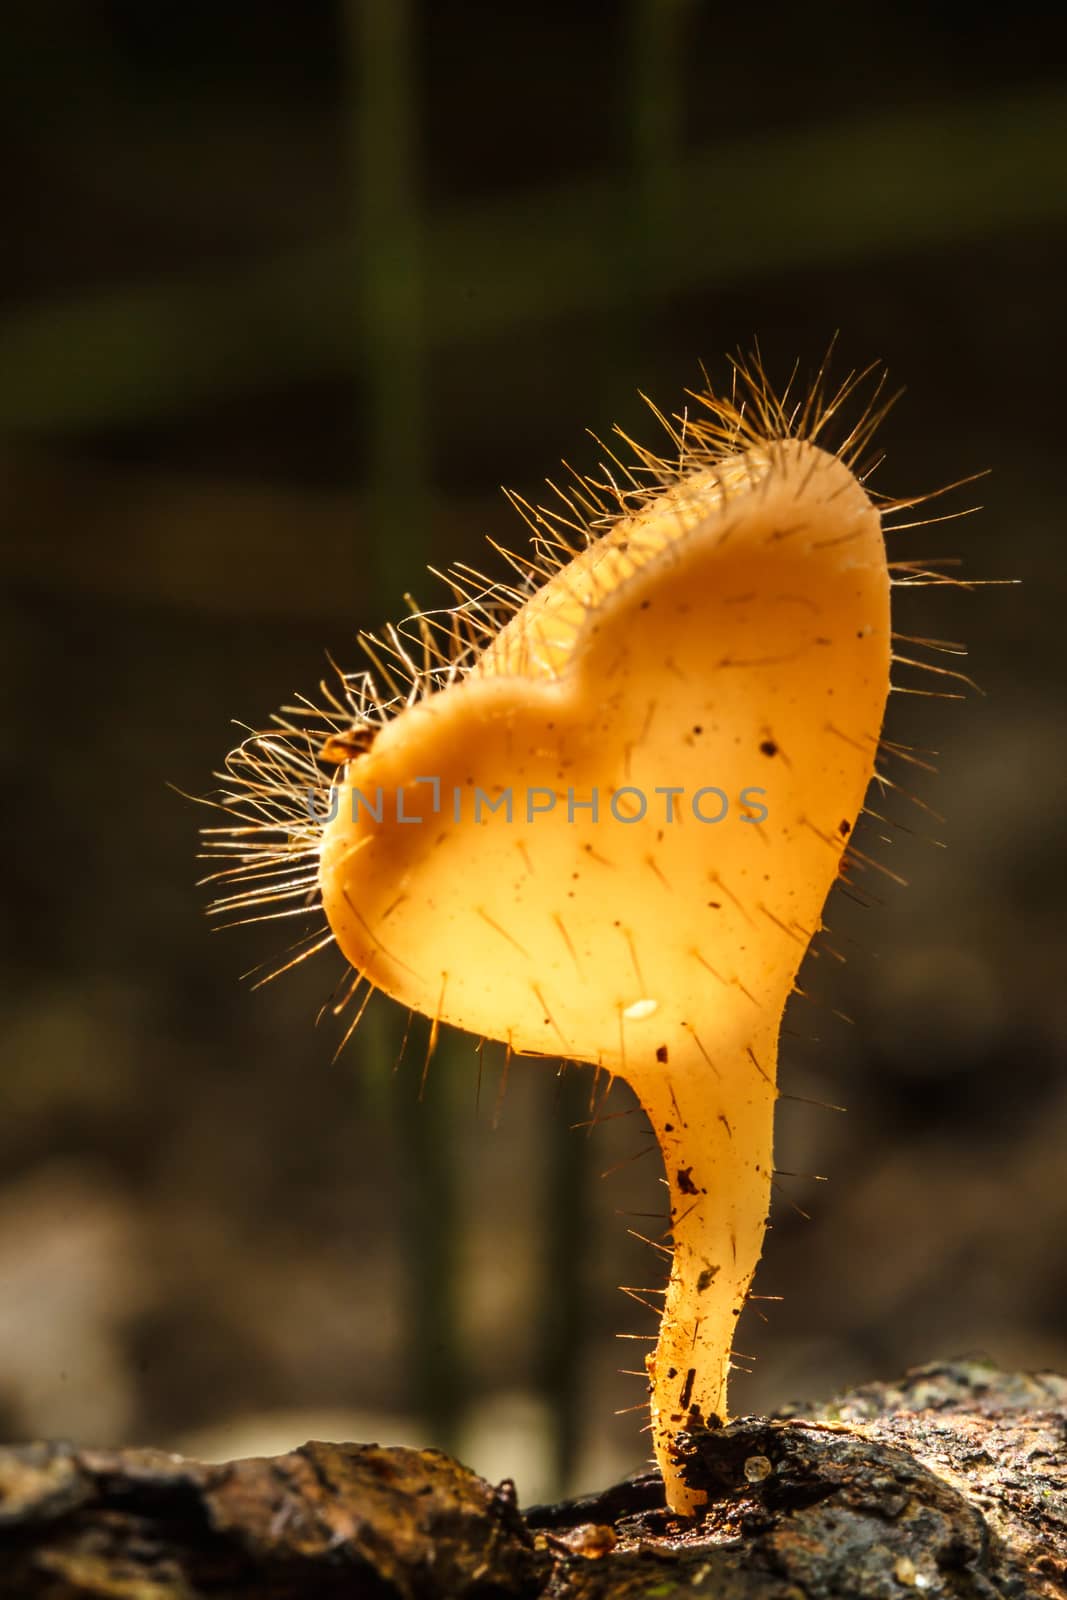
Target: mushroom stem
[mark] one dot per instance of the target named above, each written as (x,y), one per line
(716,1144)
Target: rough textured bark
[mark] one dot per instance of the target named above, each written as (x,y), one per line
(951,1483)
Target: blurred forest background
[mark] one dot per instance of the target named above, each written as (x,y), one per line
(287,292)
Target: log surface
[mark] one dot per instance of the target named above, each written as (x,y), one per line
(951,1483)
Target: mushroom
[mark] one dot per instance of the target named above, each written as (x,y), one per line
(601,820)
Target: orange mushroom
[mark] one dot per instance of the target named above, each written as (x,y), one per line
(601,820)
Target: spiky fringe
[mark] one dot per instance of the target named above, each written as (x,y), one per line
(275,784)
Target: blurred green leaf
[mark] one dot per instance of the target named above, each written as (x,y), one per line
(838,194)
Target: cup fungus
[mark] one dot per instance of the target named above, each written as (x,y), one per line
(597,815)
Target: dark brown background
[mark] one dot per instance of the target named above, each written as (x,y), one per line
(288,290)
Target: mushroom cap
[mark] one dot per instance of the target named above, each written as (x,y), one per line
(729,642)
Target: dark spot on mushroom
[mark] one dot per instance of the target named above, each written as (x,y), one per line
(645,604)
(706,1278)
(687,1389)
(715,905)
(685,1180)
(697,728)
(768,747)
(844,827)
(346,746)
(661,1054)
